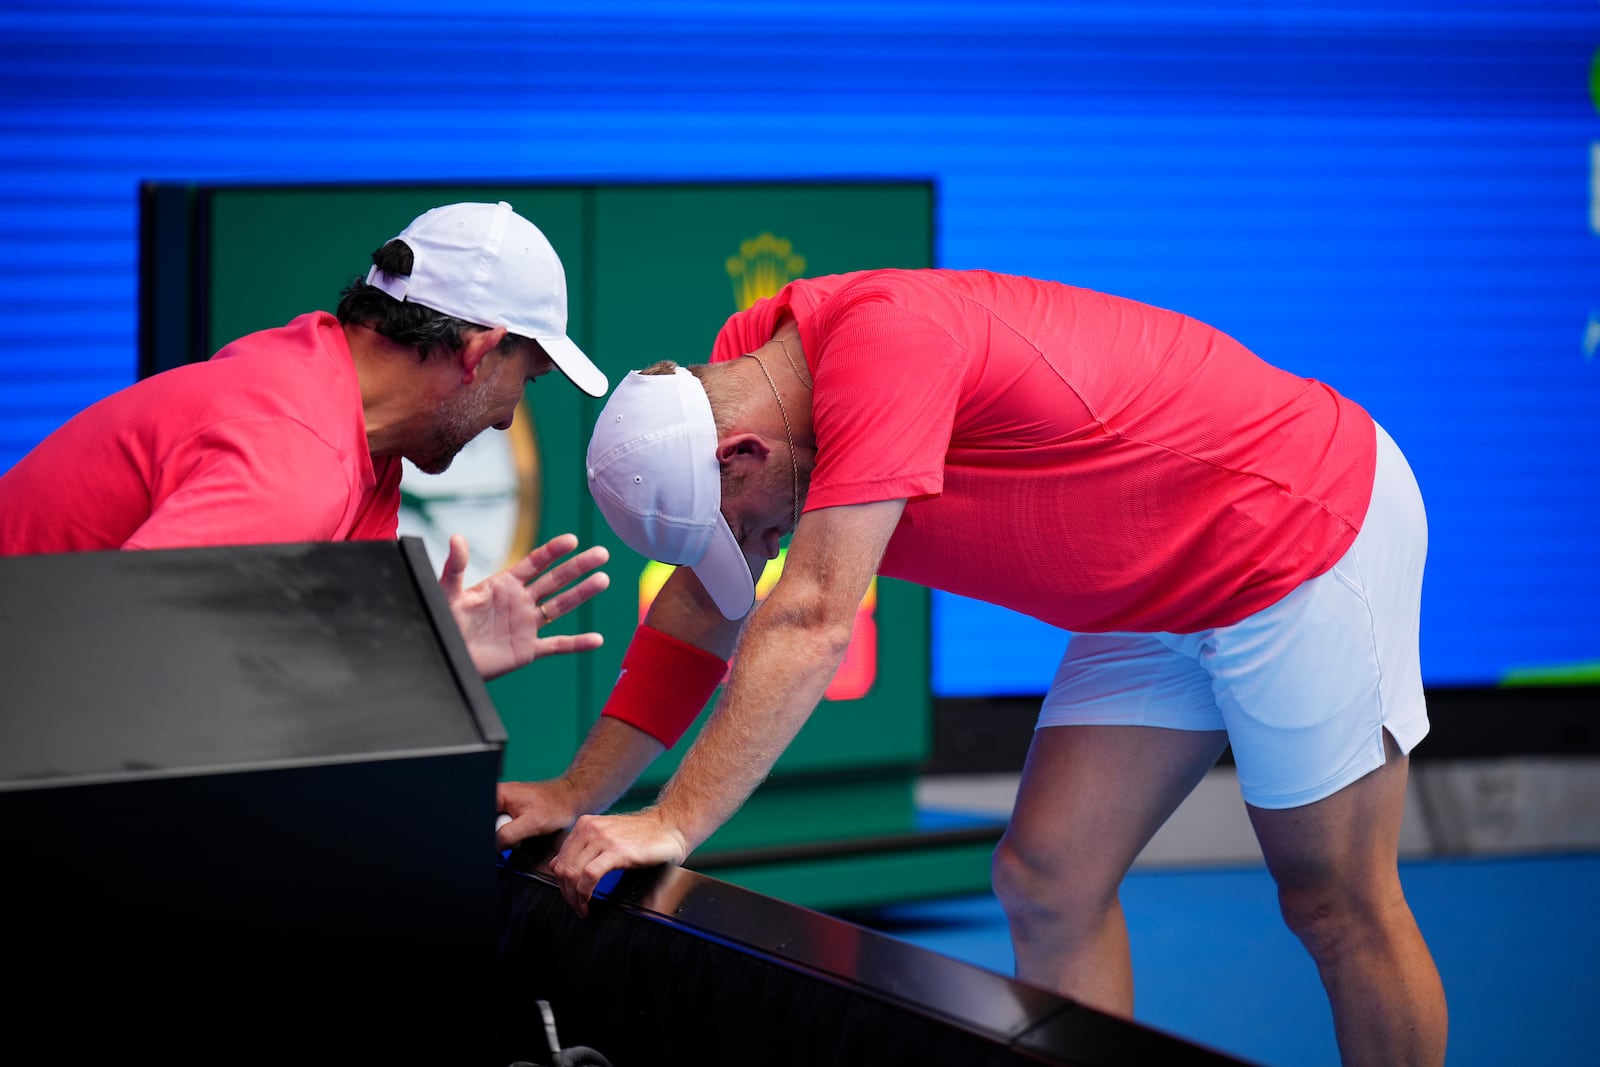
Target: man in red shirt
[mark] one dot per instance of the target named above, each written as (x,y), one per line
(297,433)
(1237,553)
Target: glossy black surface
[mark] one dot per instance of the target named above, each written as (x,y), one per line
(910,987)
(134,664)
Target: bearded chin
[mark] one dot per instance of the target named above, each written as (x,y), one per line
(444,454)
(436,466)
(456,431)
(437,463)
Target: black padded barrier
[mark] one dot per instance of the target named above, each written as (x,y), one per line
(671,966)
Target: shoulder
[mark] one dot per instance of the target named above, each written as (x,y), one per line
(303,367)
(314,336)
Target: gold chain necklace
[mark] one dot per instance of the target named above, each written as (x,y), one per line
(794,464)
(792,365)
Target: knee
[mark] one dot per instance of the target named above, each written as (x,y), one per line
(1334,919)
(1016,879)
(1313,915)
(1034,887)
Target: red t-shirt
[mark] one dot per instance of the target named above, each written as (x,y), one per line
(1097,463)
(264,442)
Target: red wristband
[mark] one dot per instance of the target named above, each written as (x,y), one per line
(664,685)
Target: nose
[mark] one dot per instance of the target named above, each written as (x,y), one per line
(769,541)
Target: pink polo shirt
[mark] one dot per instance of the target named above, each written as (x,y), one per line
(1097,463)
(265,442)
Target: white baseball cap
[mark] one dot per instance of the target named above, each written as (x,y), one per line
(485,264)
(654,474)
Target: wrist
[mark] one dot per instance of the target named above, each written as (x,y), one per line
(664,685)
(610,760)
(668,824)
(569,796)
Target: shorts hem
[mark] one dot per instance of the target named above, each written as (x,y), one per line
(1190,723)
(1406,737)
(1353,772)
(1409,734)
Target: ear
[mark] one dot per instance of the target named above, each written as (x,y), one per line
(743,449)
(476,348)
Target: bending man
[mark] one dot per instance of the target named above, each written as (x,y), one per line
(1236,551)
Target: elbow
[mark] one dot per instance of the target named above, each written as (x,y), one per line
(833,637)
(813,625)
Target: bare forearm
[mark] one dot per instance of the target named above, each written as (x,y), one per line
(683,610)
(779,677)
(610,760)
(786,655)
(615,752)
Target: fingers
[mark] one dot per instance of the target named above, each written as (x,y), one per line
(570,570)
(533,564)
(509,834)
(583,860)
(600,844)
(505,794)
(565,601)
(562,644)
(509,797)
(535,808)
(455,566)
(528,567)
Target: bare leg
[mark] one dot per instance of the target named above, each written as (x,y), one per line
(1091,798)
(1336,865)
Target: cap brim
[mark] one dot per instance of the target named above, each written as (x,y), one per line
(571,361)
(725,573)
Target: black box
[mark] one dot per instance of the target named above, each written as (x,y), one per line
(246,808)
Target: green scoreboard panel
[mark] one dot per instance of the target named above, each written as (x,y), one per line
(652,273)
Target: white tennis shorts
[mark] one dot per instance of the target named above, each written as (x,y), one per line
(1304,688)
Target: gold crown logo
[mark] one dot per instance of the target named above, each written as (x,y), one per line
(764,265)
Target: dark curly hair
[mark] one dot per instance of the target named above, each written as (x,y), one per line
(401,321)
